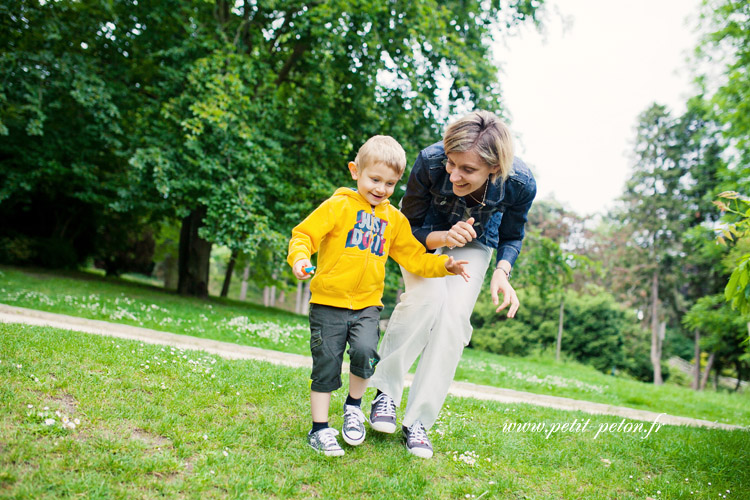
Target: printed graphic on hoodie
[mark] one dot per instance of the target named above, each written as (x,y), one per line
(368,232)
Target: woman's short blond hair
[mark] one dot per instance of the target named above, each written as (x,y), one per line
(381,149)
(484,133)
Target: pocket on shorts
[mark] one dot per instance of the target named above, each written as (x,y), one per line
(316,339)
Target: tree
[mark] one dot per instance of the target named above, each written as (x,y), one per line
(71,95)
(726,331)
(653,213)
(259,104)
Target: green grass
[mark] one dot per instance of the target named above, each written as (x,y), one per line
(92,296)
(158,422)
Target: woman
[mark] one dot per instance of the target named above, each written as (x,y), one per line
(466,196)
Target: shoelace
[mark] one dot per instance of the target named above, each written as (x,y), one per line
(352,417)
(386,407)
(417,433)
(328,437)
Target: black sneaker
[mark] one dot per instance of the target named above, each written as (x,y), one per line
(325,441)
(383,414)
(417,441)
(353,430)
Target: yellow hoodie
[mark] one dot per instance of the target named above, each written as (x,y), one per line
(355,239)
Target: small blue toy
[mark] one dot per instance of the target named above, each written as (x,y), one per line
(309,270)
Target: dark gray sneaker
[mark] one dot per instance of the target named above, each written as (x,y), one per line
(325,441)
(383,414)
(417,441)
(353,430)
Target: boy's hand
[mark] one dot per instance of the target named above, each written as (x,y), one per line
(457,268)
(299,269)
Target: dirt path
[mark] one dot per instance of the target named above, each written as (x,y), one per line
(10,314)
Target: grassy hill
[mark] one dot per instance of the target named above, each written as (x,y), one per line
(92,296)
(83,416)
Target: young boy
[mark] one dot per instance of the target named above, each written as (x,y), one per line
(354,233)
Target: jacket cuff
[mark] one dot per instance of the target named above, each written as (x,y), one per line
(507,253)
(421,236)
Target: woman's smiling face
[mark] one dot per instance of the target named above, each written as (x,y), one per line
(468,172)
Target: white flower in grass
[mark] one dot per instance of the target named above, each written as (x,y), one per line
(225,453)
(49,421)
(76,421)
(205,437)
(29,406)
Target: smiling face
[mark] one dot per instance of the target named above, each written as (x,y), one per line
(375,182)
(468,173)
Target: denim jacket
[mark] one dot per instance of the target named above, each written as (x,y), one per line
(430,205)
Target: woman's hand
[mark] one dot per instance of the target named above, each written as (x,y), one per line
(460,234)
(501,284)
(299,269)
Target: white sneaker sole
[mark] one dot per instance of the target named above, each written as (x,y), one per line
(334,453)
(385,427)
(353,442)
(420,452)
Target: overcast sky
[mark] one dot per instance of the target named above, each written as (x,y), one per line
(575,92)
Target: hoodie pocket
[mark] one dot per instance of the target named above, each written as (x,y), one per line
(344,276)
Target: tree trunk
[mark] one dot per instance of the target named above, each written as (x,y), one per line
(228,275)
(306,298)
(243,287)
(560,328)
(171,272)
(655,333)
(298,298)
(740,374)
(709,365)
(194,257)
(697,369)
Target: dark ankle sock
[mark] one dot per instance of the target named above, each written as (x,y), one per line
(318,426)
(353,402)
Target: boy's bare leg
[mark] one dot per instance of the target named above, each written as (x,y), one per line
(357,386)
(320,402)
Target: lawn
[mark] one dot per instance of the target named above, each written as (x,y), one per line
(91,296)
(95,417)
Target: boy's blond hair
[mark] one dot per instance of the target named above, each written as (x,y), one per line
(484,133)
(381,149)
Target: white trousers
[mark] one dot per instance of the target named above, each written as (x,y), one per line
(432,322)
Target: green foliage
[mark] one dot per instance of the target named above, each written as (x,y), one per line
(726,28)
(597,329)
(737,226)
(724,331)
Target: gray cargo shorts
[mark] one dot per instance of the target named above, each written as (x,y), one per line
(331,328)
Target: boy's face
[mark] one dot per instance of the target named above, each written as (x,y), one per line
(375,182)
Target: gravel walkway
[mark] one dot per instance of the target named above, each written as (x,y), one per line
(11,314)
